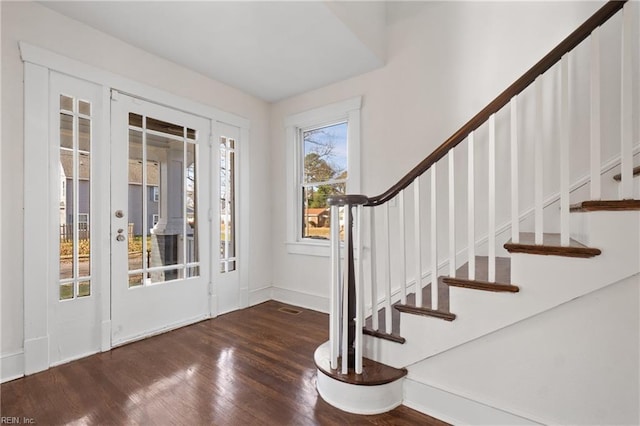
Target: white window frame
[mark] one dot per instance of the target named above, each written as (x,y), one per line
(156,194)
(344,111)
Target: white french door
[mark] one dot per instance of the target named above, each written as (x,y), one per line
(226,273)
(77,185)
(160,218)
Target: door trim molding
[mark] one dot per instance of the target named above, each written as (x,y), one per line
(36,234)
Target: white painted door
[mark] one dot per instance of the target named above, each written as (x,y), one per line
(226,273)
(160,218)
(78,182)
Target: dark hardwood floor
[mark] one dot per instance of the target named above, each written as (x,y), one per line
(250,367)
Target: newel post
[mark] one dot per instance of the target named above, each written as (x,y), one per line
(344,294)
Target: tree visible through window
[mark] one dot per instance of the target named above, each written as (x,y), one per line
(324,173)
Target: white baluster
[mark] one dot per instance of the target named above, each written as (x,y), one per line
(626,167)
(403,272)
(565,141)
(434,239)
(418,241)
(538,159)
(515,190)
(491,242)
(452,215)
(471,239)
(334,311)
(596,191)
(359,291)
(387,271)
(345,291)
(374,274)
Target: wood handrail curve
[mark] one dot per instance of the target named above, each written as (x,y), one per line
(554,56)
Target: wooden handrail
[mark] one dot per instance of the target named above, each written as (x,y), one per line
(568,44)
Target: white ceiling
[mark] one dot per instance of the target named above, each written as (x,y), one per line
(272,50)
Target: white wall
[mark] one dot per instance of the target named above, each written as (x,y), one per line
(575,364)
(38,25)
(446,60)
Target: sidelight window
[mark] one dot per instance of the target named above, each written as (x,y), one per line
(227,204)
(74,198)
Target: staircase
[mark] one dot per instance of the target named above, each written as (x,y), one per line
(490,256)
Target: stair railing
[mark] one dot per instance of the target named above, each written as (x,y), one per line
(347,310)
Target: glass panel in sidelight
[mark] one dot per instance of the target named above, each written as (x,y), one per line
(84,134)
(84,216)
(66,103)
(66,217)
(227,203)
(231,237)
(66,131)
(84,288)
(84,107)
(66,291)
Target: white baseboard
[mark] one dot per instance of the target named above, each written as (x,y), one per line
(301,299)
(105,344)
(11,366)
(36,355)
(456,409)
(259,295)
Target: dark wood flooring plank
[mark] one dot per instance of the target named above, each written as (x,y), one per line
(249,367)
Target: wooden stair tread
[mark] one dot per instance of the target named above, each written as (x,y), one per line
(448,316)
(443,296)
(393,337)
(481,281)
(605,205)
(443,306)
(550,246)
(636,172)
(382,321)
(373,372)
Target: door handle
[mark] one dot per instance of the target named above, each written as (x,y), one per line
(120,237)
(119,214)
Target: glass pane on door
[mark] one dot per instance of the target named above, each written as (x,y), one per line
(162,201)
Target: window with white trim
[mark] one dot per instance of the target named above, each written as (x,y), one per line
(323,152)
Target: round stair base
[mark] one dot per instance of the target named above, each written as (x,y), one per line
(358,399)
